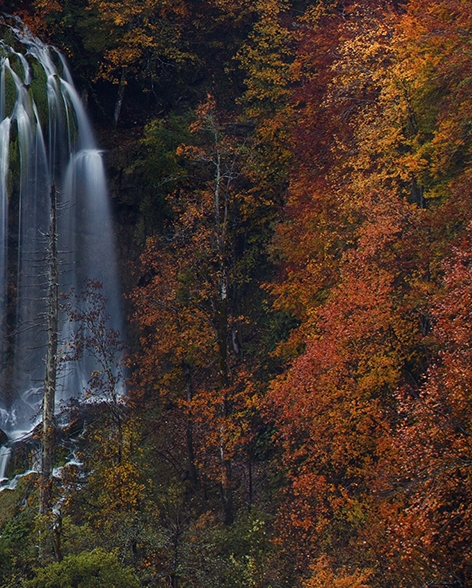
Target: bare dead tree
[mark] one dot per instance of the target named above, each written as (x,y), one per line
(50,380)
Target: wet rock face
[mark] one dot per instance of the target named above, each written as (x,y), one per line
(3,438)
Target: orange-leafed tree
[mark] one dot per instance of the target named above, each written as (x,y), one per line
(190,306)
(431,527)
(359,280)
(322,576)
(335,406)
(429,522)
(373,210)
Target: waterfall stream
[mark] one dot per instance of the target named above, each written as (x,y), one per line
(45,140)
(4,455)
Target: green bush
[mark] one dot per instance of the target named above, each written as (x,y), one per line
(89,569)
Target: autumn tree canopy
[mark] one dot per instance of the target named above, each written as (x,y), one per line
(292,188)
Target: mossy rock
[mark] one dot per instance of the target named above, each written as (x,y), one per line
(38,90)
(8,36)
(10,93)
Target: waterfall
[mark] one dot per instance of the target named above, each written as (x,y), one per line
(45,140)
(4,455)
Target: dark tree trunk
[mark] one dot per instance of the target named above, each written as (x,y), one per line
(192,470)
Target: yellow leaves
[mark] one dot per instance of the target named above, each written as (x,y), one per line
(266,57)
(315,13)
(136,29)
(123,56)
(394,83)
(121,489)
(47,6)
(119,20)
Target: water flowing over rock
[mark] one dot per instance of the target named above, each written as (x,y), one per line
(45,141)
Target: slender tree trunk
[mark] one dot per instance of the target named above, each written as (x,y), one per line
(220,202)
(57,536)
(249,488)
(119,99)
(226,466)
(49,429)
(227,489)
(192,470)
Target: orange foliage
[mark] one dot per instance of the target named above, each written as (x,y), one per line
(187,305)
(369,219)
(335,404)
(324,577)
(433,526)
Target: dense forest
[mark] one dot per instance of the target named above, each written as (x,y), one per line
(292,189)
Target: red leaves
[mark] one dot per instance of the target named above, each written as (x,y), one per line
(362,244)
(333,407)
(436,435)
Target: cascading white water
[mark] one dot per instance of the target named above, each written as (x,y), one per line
(45,141)
(4,455)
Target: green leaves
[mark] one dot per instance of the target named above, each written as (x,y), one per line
(89,569)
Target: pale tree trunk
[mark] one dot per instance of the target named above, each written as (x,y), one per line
(224,173)
(49,428)
(226,465)
(220,201)
(119,99)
